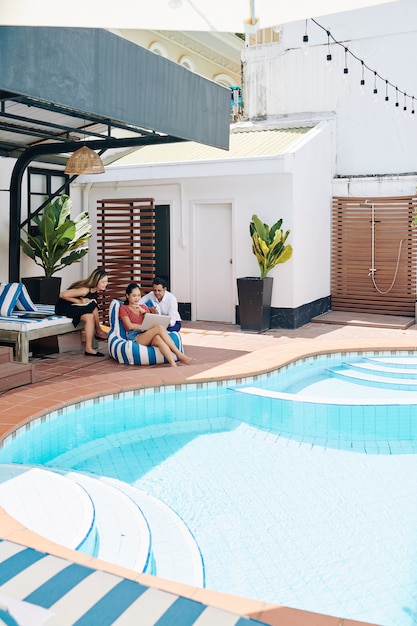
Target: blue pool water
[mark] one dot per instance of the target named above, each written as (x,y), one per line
(299,487)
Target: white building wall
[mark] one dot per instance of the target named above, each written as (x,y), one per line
(6,168)
(312,203)
(287,186)
(371,139)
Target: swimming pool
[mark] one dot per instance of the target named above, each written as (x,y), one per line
(293,519)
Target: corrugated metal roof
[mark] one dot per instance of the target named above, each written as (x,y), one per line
(245,142)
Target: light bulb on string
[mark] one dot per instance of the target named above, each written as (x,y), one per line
(362,83)
(304,47)
(375,91)
(386,99)
(397,104)
(346,69)
(405,104)
(412,113)
(329,54)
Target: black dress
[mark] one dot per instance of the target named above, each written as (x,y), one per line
(70,309)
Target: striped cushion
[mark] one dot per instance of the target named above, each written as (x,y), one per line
(24,301)
(131,352)
(9,294)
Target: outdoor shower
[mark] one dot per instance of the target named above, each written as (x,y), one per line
(372,269)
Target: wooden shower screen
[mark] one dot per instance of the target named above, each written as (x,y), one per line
(125,245)
(352,287)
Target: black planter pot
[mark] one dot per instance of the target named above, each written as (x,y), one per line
(254,296)
(43,290)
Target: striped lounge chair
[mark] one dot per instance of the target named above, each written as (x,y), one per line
(21,321)
(130,352)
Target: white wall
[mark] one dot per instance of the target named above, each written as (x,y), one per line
(371,139)
(6,168)
(312,202)
(378,186)
(295,187)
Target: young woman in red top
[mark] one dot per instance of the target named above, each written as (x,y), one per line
(132,314)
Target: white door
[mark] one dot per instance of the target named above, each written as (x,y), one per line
(214,269)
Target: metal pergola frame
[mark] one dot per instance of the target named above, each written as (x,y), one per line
(61,88)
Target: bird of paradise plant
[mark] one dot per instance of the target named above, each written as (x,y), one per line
(268,244)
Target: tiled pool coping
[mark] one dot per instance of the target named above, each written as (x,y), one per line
(240,355)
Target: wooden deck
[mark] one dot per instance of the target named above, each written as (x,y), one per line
(344,318)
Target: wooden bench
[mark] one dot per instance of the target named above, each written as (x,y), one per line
(20,330)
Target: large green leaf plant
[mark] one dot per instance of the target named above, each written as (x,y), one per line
(268,244)
(58,241)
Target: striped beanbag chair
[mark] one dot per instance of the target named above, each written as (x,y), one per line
(130,352)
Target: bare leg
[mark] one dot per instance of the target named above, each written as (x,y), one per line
(158,342)
(89,328)
(153,337)
(162,332)
(98,330)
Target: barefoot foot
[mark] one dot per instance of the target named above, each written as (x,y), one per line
(187,360)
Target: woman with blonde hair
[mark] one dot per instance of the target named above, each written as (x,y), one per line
(79,302)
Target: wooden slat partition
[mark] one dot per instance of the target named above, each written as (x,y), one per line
(352,287)
(125,244)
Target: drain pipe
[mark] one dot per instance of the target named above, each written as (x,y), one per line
(85,197)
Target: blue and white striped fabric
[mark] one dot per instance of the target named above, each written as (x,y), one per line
(24,301)
(9,294)
(131,352)
(75,595)
(17,321)
(15,296)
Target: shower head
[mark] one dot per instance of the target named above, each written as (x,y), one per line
(366,204)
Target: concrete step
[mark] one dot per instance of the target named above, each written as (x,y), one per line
(14,375)
(6,354)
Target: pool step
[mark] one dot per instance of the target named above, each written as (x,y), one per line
(383,369)
(122,530)
(175,551)
(405,362)
(48,504)
(104,517)
(372,379)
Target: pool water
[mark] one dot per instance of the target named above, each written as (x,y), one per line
(279,517)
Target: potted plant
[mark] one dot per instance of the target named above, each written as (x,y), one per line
(55,242)
(270,249)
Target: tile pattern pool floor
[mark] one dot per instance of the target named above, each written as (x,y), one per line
(221,352)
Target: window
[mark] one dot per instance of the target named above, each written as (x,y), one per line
(158,48)
(187,63)
(42,184)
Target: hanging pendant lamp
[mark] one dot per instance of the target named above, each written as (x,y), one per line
(84,161)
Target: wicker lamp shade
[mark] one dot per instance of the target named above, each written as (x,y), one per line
(84,161)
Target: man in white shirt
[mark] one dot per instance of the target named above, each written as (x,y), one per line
(164,303)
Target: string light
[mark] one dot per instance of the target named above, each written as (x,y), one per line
(329,54)
(375,91)
(305,40)
(364,66)
(346,69)
(362,83)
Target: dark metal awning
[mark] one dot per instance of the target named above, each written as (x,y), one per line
(62,87)
(69,84)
